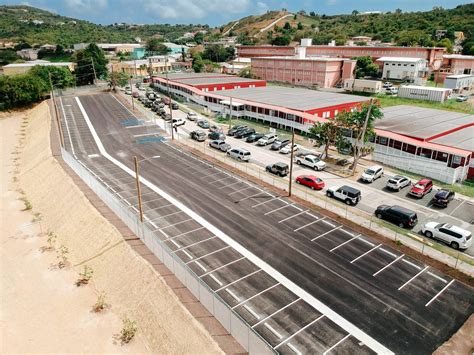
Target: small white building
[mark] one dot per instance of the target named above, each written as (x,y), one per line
(361,85)
(459,83)
(424,93)
(399,68)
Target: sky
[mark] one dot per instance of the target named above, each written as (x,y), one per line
(213,12)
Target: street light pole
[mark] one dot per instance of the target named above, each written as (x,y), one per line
(230,115)
(131,91)
(61,137)
(169,98)
(139,192)
(291,157)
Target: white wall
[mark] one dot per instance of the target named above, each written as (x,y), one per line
(401,70)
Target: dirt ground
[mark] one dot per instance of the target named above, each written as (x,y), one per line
(41,309)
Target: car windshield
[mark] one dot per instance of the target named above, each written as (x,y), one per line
(318,180)
(370,172)
(420,186)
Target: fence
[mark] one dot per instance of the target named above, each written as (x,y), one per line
(455,259)
(230,320)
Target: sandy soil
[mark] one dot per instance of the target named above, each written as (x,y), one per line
(42,310)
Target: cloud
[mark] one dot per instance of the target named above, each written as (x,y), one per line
(84,6)
(262,7)
(191,9)
(332,2)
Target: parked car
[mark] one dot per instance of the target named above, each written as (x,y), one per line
(311,161)
(443,197)
(215,128)
(280,169)
(391,91)
(461,98)
(135,94)
(254,137)
(387,84)
(402,217)
(280,143)
(244,133)
(174,106)
(421,188)
(166,117)
(398,182)
(198,135)
(220,145)
(372,173)
(347,150)
(345,193)
(192,116)
(203,123)
(178,122)
(288,148)
(148,103)
(239,154)
(128,91)
(216,136)
(311,181)
(235,129)
(455,237)
(267,139)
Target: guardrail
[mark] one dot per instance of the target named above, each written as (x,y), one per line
(450,257)
(230,320)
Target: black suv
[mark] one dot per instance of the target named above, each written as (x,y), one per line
(442,198)
(278,144)
(280,169)
(216,136)
(400,216)
(174,106)
(244,133)
(235,129)
(254,137)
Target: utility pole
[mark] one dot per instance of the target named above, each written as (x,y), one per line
(61,137)
(93,68)
(291,157)
(131,90)
(139,191)
(362,137)
(169,98)
(230,115)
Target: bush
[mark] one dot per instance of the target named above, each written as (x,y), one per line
(129,329)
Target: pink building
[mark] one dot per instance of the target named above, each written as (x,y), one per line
(434,55)
(306,71)
(264,51)
(458,64)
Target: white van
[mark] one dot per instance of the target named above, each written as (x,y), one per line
(267,139)
(239,154)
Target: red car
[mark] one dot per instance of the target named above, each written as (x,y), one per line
(421,188)
(311,181)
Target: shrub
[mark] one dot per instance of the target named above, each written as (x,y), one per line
(100,305)
(62,255)
(85,276)
(129,329)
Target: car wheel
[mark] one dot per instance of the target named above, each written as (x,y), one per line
(348,202)
(428,234)
(401,225)
(312,187)
(379,215)
(454,245)
(328,194)
(298,162)
(297,181)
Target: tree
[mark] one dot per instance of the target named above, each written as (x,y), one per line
(117,79)
(218,53)
(468,48)
(446,43)
(85,58)
(247,73)
(156,46)
(365,67)
(326,134)
(61,77)
(361,123)
(355,13)
(199,37)
(312,14)
(281,40)
(198,63)
(287,26)
(8,56)
(414,38)
(300,26)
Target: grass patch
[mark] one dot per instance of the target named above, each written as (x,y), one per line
(448,105)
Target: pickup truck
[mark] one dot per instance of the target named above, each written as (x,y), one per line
(311,161)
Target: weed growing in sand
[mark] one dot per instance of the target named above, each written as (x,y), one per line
(36,217)
(15,179)
(28,205)
(100,305)
(85,276)
(52,237)
(129,329)
(62,255)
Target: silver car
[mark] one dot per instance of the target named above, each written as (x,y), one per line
(398,182)
(220,145)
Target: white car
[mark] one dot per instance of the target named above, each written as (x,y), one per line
(454,236)
(128,92)
(192,116)
(372,173)
(387,84)
(267,139)
(287,148)
(461,98)
(398,182)
(311,161)
(239,154)
(220,145)
(178,122)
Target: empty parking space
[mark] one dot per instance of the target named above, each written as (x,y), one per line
(355,249)
(198,250)
(219,278)
(302,221)
(188,239)
(334,238)
(213,261)
(349,345)
(374,261)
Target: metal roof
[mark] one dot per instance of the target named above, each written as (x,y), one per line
(400,59)
(175,76)
(228,79)
(293,98)
(422,123)
(462,139)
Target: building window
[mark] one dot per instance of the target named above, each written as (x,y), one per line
(409,148)
(426,153)
(395,144)
(440,156)
(382,140)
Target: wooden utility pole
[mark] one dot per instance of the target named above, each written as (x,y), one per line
(131,92)
(291,159)
(362,137)
(93,68)
(169,98)
(61,137)
(230,114)
(139,191)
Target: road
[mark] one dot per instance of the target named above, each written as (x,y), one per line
(283,268)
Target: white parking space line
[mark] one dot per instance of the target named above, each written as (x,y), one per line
(201,266)
(145,202)
(185,233)
(277,209)
(242,278)
(193,244)
(256,295)
(367,252)
(455,209)
(330,224)
(411,264)
(219,282)
(251,311)
(245,188)
(299,331)
(347,232)
(342,244)
(270,328)
(222,266)
(249,197)
(172,225)
(414,277)
(155,209)
(306,225)
(206,176)
(212,252)
(234,183)
(176,244)
(165,216)
(326,233)
(366,242)
(187,254)
(262,203)
(292,347)
(388,265)
(276,312)
(437,277)
(388,252)
(339,342)
(439,293)
(292,216)
(230,292)
(214,181)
